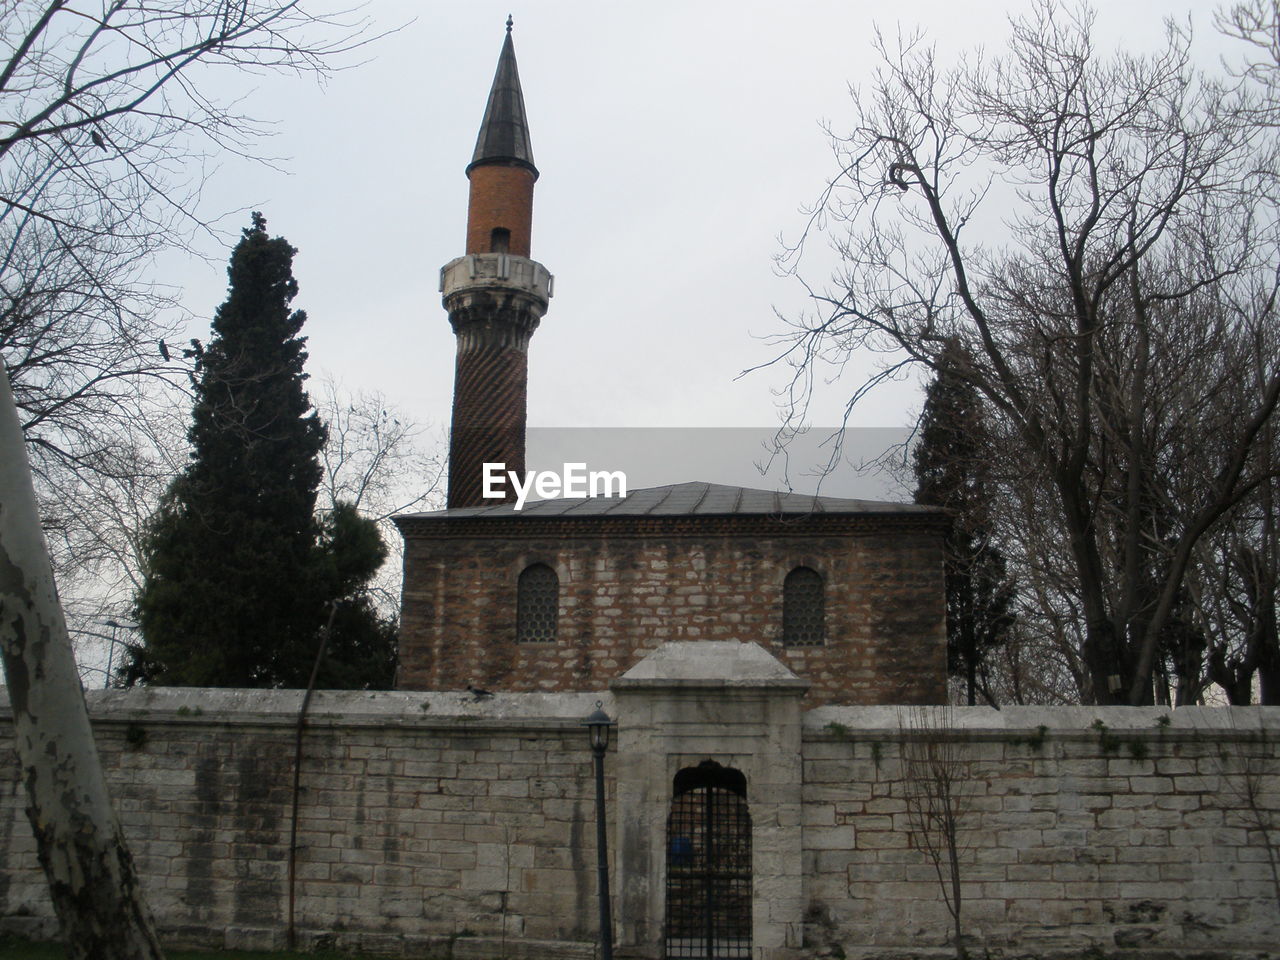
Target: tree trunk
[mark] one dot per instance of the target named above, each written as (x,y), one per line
(92,880)
(971,675)
(1269,660)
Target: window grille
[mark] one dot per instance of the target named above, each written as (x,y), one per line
(537,604)
(803,612)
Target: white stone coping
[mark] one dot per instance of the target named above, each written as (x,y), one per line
(199,705)
(1071,721)
(394,708)
(710,664)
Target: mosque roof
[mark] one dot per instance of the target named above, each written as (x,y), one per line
(689,500)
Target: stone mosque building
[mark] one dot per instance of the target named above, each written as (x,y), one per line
(569,594)
(768,659)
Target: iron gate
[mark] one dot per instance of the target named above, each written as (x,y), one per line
(709,865)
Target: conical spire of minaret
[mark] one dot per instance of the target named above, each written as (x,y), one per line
(504,132)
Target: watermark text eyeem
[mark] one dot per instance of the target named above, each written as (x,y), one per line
(573,481)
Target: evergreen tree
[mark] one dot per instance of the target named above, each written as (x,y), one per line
(238,571)
(360,651)
(952,468)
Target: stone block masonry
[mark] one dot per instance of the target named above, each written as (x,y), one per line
(1103,829)
(425,819)
(436,824)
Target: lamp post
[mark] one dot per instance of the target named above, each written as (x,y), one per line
(111,650)
(598,725)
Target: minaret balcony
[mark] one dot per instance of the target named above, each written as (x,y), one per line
(496,271)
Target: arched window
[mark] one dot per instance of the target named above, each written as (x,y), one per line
(537,604)
(803,609)
(499,240)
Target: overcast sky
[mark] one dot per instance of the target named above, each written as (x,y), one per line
(675,141)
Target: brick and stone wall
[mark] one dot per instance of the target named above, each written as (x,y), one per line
(628,585)
(465,828)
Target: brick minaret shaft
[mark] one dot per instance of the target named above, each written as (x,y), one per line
(495,295)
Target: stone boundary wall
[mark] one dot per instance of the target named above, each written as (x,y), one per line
(437,822)
(1084,828)
(427,820)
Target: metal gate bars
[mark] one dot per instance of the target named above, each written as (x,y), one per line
(709,865)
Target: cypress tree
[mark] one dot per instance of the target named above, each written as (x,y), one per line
(238,570)
(953,469)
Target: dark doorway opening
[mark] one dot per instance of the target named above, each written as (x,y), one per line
(709,865)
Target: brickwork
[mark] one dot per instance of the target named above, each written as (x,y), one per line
(490,383)
(628,586)
(501,196)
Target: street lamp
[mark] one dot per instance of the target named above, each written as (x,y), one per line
(598,725)
(111,650)
(112,640)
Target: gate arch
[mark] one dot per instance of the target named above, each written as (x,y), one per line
(708,865)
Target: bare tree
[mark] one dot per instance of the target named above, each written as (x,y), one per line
(100,99)
(1128,274)
(939,797)
(377,460)
(1247,776)
(81,847)
(95,522)
(106,126)
(82,335)
(1254,23)
(1234,589)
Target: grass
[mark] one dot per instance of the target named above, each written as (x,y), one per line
(16,948)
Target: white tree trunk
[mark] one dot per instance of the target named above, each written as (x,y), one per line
(91,875)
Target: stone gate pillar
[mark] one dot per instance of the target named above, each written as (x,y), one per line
(735,704)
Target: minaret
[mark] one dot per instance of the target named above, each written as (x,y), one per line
(495,295)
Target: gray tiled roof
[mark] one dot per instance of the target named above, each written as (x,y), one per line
(686,500)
